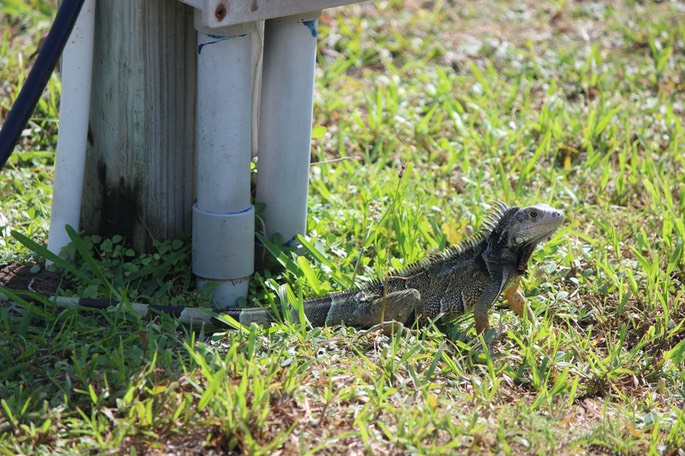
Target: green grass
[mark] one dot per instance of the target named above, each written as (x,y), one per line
(426,114)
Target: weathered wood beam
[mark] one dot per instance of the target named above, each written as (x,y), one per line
(221,13)
(139,178)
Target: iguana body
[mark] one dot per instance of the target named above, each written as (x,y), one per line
(466,278)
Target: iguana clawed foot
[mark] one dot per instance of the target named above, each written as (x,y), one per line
(389,328)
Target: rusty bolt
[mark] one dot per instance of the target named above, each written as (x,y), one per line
(220,12)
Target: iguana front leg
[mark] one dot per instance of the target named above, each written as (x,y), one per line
(518,302)
(485,301)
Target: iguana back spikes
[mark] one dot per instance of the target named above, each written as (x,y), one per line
(489,223)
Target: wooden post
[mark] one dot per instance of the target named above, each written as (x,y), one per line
(140,171)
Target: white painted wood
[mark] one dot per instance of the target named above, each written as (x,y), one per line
(220,13)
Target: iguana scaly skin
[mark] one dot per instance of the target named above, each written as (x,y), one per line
(469,277)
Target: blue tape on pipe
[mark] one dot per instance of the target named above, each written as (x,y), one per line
(217,39)
(311,25)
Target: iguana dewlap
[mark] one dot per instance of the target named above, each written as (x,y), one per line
(469,277)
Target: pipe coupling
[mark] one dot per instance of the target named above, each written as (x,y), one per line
(223,244)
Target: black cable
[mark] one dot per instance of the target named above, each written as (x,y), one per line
(39,76)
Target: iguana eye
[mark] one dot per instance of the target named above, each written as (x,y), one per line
(533,214)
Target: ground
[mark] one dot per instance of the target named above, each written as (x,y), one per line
(30,277)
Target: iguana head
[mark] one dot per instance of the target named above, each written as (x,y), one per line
(532,225)
(517,231)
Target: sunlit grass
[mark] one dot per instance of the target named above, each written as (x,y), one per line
(425,115)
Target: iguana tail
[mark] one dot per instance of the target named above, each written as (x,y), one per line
(316,311)
(352,308)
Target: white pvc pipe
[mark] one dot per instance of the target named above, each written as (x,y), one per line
(224,113)
(77,64)
(285,125)
(223,218)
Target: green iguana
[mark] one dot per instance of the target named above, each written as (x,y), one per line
(469,277)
